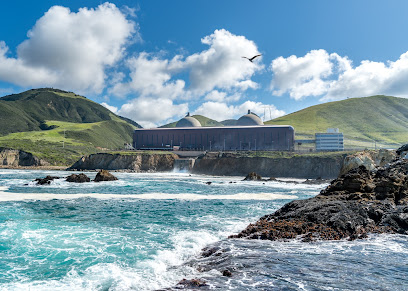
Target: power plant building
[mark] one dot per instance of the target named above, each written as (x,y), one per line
(332,140)
(249,134)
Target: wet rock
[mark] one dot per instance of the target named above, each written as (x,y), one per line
(104,175)
(46,181)
(80,178)
(353,205)
(226,273)
(193,283)
(208,183)
(253,177)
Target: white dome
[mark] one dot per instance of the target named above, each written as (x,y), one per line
(249,119)
(188,121)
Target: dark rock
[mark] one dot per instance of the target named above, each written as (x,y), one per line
(226,273)
(208,183)
(46,181)
(193,283)
(104,175)
(80,178)
(356,203)
(401,149)
(272,179)
(253,177)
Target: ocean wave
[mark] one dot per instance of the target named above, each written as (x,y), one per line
(10,196)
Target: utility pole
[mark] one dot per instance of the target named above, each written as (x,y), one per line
(63,141)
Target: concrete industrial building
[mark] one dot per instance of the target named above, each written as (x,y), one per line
(249,134)
(332,140)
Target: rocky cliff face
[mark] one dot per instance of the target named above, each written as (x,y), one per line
(295,167)
(17,158)
(137,162)
(369,159)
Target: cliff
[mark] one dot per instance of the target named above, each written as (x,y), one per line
(296,166)
(369,159)
(17,158)
(136,162)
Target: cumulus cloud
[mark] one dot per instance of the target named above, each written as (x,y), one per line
(334,77)
(222,111)
(302,76)
(69,50)
(371,78)
(151,76)
(149,112)
(220,67)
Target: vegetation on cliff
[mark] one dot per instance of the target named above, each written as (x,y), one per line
(60,126)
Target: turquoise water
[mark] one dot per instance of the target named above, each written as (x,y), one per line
(146,231)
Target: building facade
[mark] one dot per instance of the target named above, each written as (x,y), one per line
(332,140)
(249,134)
(227,138)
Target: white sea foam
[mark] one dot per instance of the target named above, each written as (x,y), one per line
(10,196)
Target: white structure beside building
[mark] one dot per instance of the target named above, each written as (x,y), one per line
(332,140)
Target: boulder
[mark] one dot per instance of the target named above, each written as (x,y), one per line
(193,283)
(45,181)
(80,178)
(253,177)
(368,159)
(359,202)
(104,175)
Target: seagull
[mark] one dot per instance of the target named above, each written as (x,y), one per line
(251,59)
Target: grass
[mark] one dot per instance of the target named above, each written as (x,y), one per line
(362,120)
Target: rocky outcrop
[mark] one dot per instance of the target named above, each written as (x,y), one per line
(253,177)
(104,175)
(81,178)
(18,158)
(298,166)
(137,162)
(45,181)
(355,204)
(369,159)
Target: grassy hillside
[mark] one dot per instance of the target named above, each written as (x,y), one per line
(60,126)
(205,121)
(362,120)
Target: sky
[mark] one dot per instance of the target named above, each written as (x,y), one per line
(153,61)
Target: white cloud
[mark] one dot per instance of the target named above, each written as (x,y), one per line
(301,76)
(69,50)
(111,108)
(371,78)
(150,76)
(149,112)
(222,111)
(334,77)
(220,67)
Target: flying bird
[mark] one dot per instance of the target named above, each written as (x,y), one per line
(253,58)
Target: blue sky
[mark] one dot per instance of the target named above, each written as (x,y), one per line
(153,61)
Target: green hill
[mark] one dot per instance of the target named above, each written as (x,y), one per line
(205,121)
(60,126)
(383,119)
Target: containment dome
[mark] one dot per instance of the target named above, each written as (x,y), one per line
(249,119)
(188,121)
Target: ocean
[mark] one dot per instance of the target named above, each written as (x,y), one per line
(146,231)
